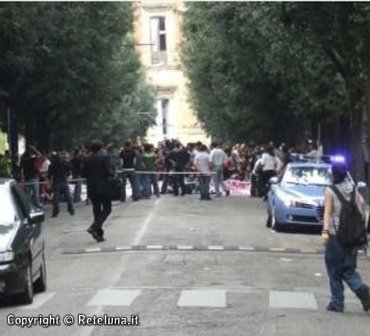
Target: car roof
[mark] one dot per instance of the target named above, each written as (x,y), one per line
(5,182)
(309,164)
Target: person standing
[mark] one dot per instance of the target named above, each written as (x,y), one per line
(218,158)
(340,260)
(181,159)
(202,165)
(76,167)
(128,157)
(30,175)
(97,171)
(149,159)
(58,172)
(168,165)
(269,164)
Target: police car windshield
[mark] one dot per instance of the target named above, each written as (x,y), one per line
(305,175)
(7,213)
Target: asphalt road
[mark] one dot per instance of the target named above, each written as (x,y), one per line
(179,266)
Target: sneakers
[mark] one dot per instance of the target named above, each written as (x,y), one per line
(333,308)
(363,294)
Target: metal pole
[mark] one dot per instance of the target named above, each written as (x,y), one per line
(9,129)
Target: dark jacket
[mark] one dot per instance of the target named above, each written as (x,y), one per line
(180,158)
(58,171)
(97,171)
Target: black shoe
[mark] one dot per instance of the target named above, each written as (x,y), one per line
(95,235)
(99,239)
(54,215)
(333,308)
(364,295)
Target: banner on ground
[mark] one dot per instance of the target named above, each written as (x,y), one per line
(238,188)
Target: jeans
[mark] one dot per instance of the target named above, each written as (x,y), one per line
(145,181)
(341,264)
(142,183)
(178,181)
(265,181)
(78,189)
(153,181)
(219,180)
(204,186)
(58,188)
(134,185)
(32,189)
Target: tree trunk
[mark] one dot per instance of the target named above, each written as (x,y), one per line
(13,131)
(357,164)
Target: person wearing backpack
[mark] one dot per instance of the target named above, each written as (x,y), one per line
(342,222)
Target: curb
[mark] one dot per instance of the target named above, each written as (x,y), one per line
(213,248)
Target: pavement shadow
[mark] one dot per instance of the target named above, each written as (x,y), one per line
(297,229)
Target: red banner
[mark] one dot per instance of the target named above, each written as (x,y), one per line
(238,188)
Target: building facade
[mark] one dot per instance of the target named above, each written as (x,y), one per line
(158,36)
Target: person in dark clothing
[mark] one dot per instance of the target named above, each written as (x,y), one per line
(168,165)
(97,171)
(58,172)
(128,156)
(76,167)
(181,159)
(30,174)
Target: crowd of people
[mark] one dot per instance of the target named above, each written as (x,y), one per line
(169,167)
(45,175)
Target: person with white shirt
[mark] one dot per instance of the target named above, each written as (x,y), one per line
(217,159)
(269,164)
(202,165)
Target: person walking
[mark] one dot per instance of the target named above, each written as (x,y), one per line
(218,158)
(58,172)
(97,170)
(340,260)
(202,165)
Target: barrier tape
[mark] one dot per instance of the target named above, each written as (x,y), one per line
(138,172)
(141,172)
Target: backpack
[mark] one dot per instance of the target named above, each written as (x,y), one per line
(352,230)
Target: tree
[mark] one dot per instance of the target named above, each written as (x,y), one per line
(262,71)
(242,62)
(67,69)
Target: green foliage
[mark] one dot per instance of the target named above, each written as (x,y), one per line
(253,77)
(69,71)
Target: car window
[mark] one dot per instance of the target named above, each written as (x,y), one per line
(308,175)
(8,213)
(22,200)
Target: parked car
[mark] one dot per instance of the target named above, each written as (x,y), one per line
(22,248)
(297,197)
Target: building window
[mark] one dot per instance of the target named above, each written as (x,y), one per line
(158,39)
(164,114)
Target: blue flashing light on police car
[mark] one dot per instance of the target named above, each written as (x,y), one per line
(338,159)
